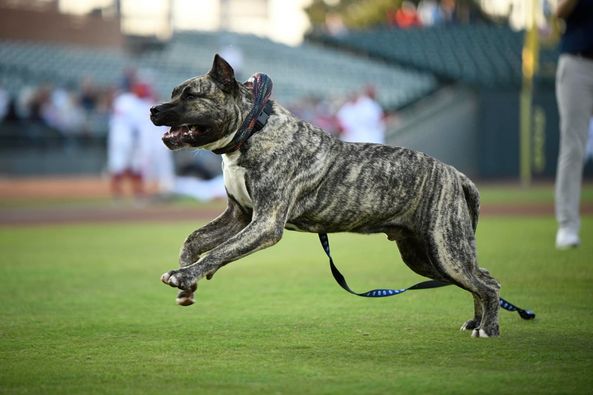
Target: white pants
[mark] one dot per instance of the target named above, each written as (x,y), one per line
(574,92)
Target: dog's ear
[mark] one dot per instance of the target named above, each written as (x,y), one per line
(223,74)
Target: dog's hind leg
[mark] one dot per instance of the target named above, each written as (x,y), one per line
(413,253)
(455,256)
(474,323)
(490,305)
(441,261)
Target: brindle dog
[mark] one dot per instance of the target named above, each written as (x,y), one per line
(292,175)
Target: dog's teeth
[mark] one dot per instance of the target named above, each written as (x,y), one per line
(193,128)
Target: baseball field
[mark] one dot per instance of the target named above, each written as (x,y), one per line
(83,311)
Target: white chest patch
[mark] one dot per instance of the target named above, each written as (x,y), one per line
(234,179)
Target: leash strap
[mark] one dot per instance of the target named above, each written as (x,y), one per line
(508,306)
(374,293)
(261,87)
(385,292)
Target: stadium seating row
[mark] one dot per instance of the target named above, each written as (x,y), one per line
(480,54)
(305,70)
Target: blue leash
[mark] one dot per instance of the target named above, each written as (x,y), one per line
(385,292)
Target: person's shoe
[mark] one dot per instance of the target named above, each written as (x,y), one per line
(566,239)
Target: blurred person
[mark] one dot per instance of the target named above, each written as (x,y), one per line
(37,102)
(334,24)
(589,149)
(157,159)
(430,13)
(199,175)
(406,16)
(87,99)
(88,96)
(129,78)
(346,117)
(4,103)
(361,118)
(317,111)
(98,120)
(31,105)
(200,189)
(62,112)
(574,92)
(448,8)
(124,155)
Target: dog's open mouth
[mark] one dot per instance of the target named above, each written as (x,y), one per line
(178,136)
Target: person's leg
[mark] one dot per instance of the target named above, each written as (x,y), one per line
(137,182)
(116,185)
(574,90)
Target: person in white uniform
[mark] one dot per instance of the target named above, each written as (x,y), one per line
(157,159)
(574,92)
(361,119)
(124,155)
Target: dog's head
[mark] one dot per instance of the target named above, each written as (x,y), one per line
(203,110)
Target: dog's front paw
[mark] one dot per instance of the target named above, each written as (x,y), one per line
(185,298)
(182,279)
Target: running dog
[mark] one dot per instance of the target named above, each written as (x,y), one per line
(292,175)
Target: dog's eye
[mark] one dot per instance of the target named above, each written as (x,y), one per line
(191,95)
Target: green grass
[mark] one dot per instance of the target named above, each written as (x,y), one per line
(82,312)
(513,193)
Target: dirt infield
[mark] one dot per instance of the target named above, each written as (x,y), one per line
(81,200)
(56,188)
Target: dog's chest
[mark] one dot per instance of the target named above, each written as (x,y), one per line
(234,179)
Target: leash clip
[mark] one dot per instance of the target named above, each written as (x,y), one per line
(261,120)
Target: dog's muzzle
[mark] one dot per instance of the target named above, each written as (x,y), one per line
(156,116)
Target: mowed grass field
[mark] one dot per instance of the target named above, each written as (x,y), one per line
(83,312)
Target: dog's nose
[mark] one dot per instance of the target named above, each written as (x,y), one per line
(154,110)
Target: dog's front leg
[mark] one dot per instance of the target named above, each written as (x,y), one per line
(259,234)
(226,225)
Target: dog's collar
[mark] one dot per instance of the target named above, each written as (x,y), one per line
(261,86)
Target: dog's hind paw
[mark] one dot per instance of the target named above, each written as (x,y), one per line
(469,325)
(479,332)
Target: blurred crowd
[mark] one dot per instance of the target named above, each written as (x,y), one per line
(427,13)
(356,118)
(68,110)
(135,153)
(409,15)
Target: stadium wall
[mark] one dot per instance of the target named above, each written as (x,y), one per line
(498,133)
(51,26)
(443,125)
(476,129)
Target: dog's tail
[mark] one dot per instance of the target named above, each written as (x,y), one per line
(472,198)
